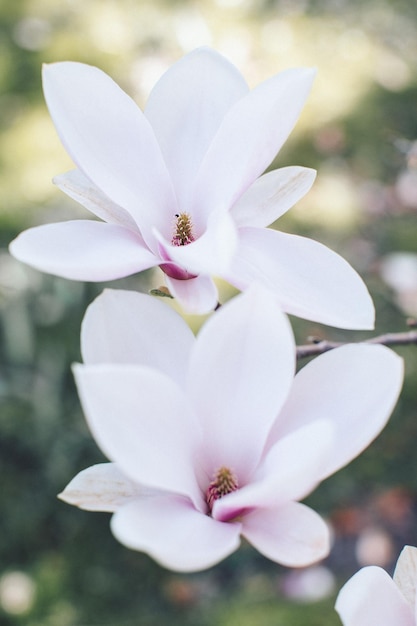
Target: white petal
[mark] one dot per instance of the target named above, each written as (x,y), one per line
(241,369)
(101,487)
(196,295)
(356,387)
(211,253)
(311,281)
(171,531)
(83,250)
(186,108)
(293,535)
(405,574)
(141,421)
(250,136)
(291,470)
(111,141)
(272,195)
(130,327)
(82,190)
(371,598)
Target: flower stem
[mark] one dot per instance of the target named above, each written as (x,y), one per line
(319,346)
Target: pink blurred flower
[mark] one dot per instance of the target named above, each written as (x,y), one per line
(212,437)
(180,187)
(372,598)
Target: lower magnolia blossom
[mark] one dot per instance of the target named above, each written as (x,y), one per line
(372,598)
(213,438)
(180,186)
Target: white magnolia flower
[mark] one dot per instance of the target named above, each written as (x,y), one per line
(372,598)
(180,187)
(212,437)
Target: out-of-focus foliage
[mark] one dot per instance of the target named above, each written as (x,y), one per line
(60,566)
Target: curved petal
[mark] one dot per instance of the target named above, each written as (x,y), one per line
(185,109)
(312,281)
(359,386)
(141,421)
(102,487)
(292,469)
(211,253)
(293,535)
(196,295)
(272,195)
(130,327)
(250,136)
(405,575)
(172,532)
(371,598)
(83,250)
(111,141)
(82,190)
(241,369)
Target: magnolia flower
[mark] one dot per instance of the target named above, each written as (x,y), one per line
(212,438)
(372,598)
(180,187)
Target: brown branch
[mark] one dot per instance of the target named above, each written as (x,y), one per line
(389,339)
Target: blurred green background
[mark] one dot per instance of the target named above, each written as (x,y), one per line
(60,566)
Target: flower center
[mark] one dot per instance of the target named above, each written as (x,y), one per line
(224,482)
(183,232)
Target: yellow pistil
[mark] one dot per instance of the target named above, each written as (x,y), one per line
(224,482)
(183,234)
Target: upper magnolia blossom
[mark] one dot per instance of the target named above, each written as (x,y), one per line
(372,598)
(212,437)
(180,187)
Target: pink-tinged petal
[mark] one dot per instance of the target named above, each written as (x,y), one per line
(102,487)
(371,598)
(196,295)
(83,250)
(82,190)
(111,141)
(293,535)
(186,108)
(110,333)
(311,281)
(211,253)
(250,136)
(172,532)
(405,575)
(272,195)
(356,387)
(241,369)
(292,468)
(141,421)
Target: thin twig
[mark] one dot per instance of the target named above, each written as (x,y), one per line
(389,339)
